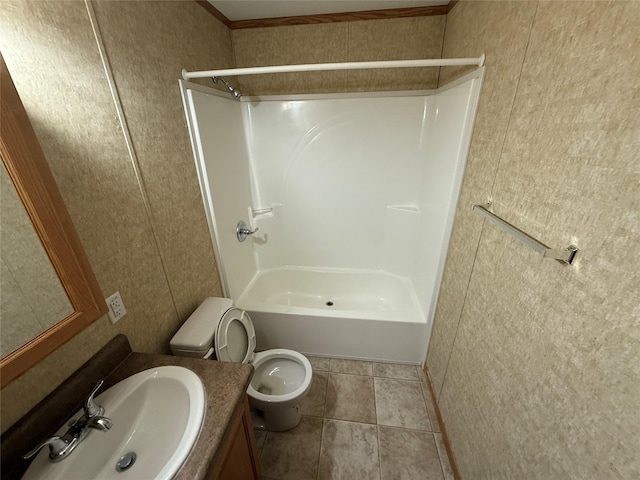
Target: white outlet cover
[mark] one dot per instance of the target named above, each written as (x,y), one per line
(116,307)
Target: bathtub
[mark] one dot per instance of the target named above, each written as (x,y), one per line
(366,315)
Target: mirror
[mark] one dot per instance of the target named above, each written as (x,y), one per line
(32,298)
(29,172)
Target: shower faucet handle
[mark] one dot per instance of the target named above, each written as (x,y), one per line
(242,231)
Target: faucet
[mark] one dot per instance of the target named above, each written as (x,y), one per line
(92,419)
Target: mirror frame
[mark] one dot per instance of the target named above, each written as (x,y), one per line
(29,171)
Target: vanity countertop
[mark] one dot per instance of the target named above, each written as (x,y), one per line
(225,384)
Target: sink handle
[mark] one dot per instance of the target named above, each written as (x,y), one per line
(56,445)
(91,408)
(100,423)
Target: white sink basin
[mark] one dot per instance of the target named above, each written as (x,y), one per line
(156,413)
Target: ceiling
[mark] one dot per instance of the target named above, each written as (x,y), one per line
(236,10)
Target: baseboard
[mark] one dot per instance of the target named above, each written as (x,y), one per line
(443,430)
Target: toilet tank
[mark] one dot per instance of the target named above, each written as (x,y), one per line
(195,336)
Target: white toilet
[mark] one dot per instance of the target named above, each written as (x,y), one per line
(282,377)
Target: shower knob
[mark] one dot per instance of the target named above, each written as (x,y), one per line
(242,231)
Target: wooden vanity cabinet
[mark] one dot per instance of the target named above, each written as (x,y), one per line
(238,459)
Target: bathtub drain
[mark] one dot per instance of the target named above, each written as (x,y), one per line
(329,303)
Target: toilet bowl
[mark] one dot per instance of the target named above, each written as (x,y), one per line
(282,377)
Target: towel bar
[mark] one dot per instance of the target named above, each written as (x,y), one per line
(564,256)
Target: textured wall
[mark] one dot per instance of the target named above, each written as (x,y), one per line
(396,39)
(537,365)
(160,258)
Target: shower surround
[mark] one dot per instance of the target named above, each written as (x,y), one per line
(353,196)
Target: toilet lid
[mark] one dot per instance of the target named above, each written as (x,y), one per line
(235,339)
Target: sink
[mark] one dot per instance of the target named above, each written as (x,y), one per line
(156,414)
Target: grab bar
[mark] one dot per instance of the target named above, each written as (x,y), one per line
(564,256)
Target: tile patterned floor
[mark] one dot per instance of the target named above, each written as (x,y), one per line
(361,420)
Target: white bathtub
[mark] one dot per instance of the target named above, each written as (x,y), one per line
(349,314)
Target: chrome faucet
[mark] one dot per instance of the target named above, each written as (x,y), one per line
(242,231)
(92,419)
(91,408)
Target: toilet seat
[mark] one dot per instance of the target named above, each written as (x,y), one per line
(235,337)
(276,355)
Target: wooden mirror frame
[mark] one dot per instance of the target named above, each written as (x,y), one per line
(30,173)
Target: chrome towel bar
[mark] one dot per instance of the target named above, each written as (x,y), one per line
(565,256)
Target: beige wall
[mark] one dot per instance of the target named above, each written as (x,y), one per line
(160,258)
(535,364)
(397,39)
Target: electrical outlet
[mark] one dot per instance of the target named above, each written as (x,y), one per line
(116,307)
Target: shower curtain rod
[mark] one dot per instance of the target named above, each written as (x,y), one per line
(315,67)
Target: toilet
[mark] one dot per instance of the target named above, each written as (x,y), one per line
(282,378)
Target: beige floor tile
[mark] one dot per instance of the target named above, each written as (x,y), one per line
(431,409)
(349,451)
(422,376)
(351,367)
(408,455)
(313,403)
(444,458)
(293,455)
(319,364)
(350,397)
(400,403)
(394,370)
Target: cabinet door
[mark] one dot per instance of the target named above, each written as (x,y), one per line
(241,462)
